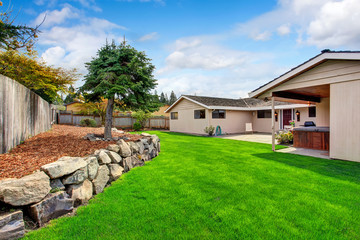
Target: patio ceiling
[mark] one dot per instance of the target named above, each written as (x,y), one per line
(308,95)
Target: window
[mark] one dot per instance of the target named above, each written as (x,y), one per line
(312,111)
(217,113)
(264,114)
(174,115)
(199,114)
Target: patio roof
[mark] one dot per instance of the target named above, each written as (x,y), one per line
(311,94)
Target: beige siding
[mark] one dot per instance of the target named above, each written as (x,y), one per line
(186,122)
(234,121)
(304,116)
(344,121)
(323,113)
(263,125)
(331,71)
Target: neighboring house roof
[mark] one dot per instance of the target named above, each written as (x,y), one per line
(311,63)
(241,104)
(72,103)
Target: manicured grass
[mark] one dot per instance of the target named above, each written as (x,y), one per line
(210,188)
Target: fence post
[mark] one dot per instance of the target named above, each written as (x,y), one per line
(72,118)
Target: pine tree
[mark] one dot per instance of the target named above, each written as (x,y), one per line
(173,98)
(123,73)
(162,98)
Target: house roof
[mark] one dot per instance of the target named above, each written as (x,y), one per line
(311,63)
(241,104)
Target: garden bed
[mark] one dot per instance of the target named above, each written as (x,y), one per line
(49,146)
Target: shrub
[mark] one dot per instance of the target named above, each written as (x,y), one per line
(284,137)
(141,117)
(209,130)
(88,122)
(137,126)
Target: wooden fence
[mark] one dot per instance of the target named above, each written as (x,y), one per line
(22,114)
(124,122)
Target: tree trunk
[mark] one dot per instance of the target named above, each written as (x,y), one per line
(108,118)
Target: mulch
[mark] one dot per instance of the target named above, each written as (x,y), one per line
(49,146)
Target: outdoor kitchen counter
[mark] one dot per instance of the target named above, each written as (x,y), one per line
(312,137)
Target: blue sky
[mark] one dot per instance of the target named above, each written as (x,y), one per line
(213,48)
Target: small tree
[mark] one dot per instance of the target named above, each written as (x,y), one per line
(162,98)
(123,73)
(141,117)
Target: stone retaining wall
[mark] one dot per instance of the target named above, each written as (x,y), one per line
(69,182)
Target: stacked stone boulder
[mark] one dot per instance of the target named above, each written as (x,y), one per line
(69,182)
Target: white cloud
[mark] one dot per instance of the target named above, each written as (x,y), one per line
(336,24)
(284,29)
(200,65)
(50,18)
(71,47)
(149,37)
(323,23)
(54,55)
(199,53)
(85,3)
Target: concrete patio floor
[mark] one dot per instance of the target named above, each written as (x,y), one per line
(266,138)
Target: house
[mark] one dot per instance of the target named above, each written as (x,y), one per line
(191,114)
(331,82)
(161,111)
(75,106)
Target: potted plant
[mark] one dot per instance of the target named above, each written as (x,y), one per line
(292,123)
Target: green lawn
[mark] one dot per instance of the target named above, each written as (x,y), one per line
(210,188)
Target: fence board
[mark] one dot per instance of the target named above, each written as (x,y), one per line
(22,114)
(118,121)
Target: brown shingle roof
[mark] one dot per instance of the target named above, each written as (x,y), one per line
(229,102)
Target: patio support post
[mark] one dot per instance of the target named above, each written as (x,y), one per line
(273,122)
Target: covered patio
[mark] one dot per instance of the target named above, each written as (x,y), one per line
(331,82)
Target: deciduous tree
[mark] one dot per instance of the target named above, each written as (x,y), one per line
(120,72)
(46,81)
(14,37)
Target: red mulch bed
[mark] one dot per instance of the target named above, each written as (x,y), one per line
(49,146)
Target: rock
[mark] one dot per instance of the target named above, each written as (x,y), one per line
(155,139)
(145,156)
(134,148)
(77,177)
(125,150)
(120,131)
(26,190)
(115,171)
(101,179)
(131,162)
(145,142)
(53,206)
(113,147)
(141,147)
(145,135)
(56,184)
(99,150)
(63,166)
(115,158)
(104,158)
(90,136)
(114,129)
(81,193)
(92,167)
(12,225)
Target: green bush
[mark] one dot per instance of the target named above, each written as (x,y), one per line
(137,126)
(284,137)
(88,122)
(209,130)
(141,117)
